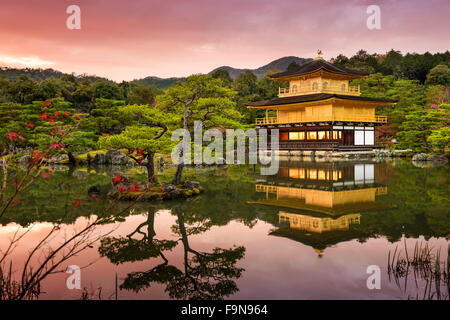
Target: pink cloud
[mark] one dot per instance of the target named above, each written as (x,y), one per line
(130,39)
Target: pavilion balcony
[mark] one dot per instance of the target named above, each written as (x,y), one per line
(319,88)
(334,118)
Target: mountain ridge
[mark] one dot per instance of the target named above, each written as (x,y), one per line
(279,64)
(38,74)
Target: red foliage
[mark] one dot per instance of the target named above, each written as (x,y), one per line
(36,156)
(15,202)
(57,146)
(12,136)
(46,103)
(117,178)
(136,185)
(125,184)
(384,135)
(76,203)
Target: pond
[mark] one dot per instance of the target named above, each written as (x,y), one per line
(315,230)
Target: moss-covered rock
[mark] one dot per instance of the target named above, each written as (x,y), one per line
(165,191)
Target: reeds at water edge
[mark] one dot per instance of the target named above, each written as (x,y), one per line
(426,265)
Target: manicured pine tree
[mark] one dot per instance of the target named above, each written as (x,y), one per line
(146,136)
(199,98)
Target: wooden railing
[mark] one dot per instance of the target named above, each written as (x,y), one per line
(266,188)
(302,90)
(381,191)
(299,118)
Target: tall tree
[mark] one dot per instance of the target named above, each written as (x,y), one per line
(420,124)
(22,89)
(142,94)
(224,76)
(107,90)
(203,98)
(439,75)
(146,136)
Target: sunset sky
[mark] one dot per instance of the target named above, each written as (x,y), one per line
(124,40)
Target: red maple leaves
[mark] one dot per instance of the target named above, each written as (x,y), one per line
(13,136)
(37,156)
(57,145)
(125,184)
(76,203)
(117,178)
(46,175)
(15,202)
(47,103)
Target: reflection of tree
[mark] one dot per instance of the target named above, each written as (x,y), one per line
(128,249)
(206,275)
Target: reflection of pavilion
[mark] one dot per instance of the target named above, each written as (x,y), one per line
(318,224)
(326,199)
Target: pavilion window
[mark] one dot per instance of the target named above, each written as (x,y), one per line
(322,135)
(294,89)
(312,135)
(284,136)
(296,136)
(312,174)
(337,135)
(322,175)
(343,87)
(325,85)
(315,86)
(297,173)
(337,175)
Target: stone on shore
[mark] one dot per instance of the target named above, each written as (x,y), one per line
(419,157)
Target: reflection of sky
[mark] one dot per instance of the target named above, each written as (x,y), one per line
(275,268)
(124,40)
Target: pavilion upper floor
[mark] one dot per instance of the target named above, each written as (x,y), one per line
(320,108)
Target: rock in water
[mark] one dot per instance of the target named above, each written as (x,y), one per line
(192,184)
(116,157)
(24,160)
(168,187)
(438,159)
(419,157)
(99,158)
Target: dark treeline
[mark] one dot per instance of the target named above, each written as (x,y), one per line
(412,66)
(80,91)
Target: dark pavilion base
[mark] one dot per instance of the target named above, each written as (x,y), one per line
(327,136)
(322,146)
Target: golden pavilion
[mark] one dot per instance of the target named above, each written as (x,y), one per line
(320,110)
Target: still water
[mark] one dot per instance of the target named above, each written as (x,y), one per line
(309,232)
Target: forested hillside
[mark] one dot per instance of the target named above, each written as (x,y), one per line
(420,83)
